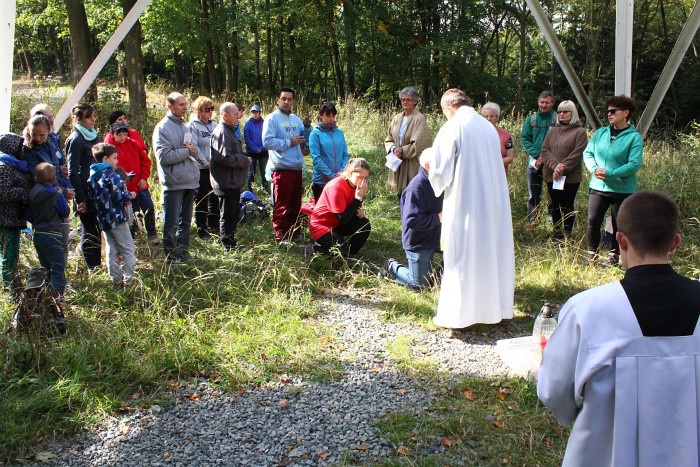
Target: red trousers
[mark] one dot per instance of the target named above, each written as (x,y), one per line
(287,192)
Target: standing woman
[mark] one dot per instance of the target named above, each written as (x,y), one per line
(78,148)
(408,137)
(206,204)
(613,156)
(492,112)
(561,157)
(14,195)
(329,151)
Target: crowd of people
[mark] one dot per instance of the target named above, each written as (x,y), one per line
(634,337)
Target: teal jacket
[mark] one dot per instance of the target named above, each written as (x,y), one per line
(532,136)
(621,160)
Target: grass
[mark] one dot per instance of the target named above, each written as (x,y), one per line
(246,319)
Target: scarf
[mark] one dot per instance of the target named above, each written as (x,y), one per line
(323,126)
(12,161)
(89,135)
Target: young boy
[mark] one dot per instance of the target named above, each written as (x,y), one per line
(110,196)
(137,164)
(49,213)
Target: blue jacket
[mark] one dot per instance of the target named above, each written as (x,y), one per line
(50,153)
(419,214)
(278,130)
(621,159)
(109,194)
(252,132)
(329,152)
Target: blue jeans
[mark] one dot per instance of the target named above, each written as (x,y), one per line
(417,273)
(144,203)
(178,206)
(52,255)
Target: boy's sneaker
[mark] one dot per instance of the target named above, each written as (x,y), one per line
(154,239)
(613,260)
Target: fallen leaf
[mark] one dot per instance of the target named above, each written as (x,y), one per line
(362,447)
(549,442)
(192,397)
(136,395)
(284,404)
(44,456)
(166,455)
(447,442)
(375,369)
(468,394)
(174,383)
(400,391)
(403,450)
(505,461)
(498,423)
(240,393)
(324,455)
(284,379)
(502,394)
(124,429)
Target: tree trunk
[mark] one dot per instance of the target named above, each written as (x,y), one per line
(268,40)
(256,40)
(350,49)
(81,44)
(280,51)
(56,51)
(521,64)
(209,50)
(176,69)
(235,54)
(136,82)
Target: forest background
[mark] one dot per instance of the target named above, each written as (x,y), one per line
(336,49)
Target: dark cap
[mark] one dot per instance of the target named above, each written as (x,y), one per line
(117,126)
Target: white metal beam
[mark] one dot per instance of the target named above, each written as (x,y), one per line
(7,32)
(101,60)
(624,24)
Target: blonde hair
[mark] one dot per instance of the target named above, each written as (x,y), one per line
(201,102)
(571,107)
(355,164)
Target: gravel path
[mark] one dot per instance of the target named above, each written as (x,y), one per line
(299,422)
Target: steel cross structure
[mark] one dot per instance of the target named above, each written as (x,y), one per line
(623,60)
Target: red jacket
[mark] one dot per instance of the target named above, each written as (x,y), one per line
(133,159)
(133,134)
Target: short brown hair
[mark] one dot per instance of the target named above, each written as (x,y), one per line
(45,173)
(650,220)
(102,150)
(201,102)
(454,98)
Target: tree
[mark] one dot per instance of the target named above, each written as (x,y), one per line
(81,44)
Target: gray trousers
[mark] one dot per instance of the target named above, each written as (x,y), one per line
(120,242)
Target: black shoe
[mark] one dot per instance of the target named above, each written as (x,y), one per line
(203,234)
(613,260)
(387,268)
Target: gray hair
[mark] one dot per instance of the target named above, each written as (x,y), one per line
(227,107)
(173,97)
(39,109)
(493,106)
(426,156)
(411,92)
(570,106)
(454,98)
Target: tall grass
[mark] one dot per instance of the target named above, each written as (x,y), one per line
(246,318)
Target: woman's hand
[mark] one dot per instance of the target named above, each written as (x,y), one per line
(599,173)
(398,152)
(559,170)
(143,184)
(361,213)
(361,189)
(82,208)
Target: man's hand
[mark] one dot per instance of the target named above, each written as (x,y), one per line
(440,216)
(191,147)
(64,169)
(143,184)
(297,140)
(81,208)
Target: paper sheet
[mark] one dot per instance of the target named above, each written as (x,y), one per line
(392,162)
(559,184)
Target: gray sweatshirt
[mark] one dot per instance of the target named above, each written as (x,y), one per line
(177,169)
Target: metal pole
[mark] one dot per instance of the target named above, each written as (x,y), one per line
(674,61)
(7,32)
(624,24)
(101,60)
(564,63)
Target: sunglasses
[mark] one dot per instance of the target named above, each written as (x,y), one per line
(564,111)
(613,111)
(208,109)
(328,105)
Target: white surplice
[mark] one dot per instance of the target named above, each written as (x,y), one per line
(477,232)
(634,399)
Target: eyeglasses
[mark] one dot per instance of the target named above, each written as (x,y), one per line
(208,109)
(407,99)
(613,111)
(564,111)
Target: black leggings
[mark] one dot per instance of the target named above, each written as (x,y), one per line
(598,205)
(563,208)
(357,230)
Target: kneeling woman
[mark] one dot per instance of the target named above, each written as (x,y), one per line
(338,218)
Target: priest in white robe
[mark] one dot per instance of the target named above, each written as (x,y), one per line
(624,362)
(477,232)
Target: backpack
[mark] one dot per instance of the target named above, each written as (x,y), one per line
(38,312)
(251,208)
